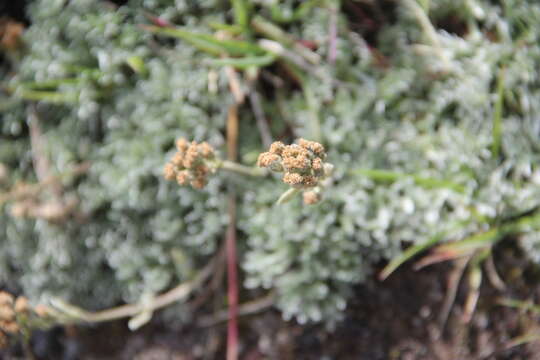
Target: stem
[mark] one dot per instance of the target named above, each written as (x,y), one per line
(230,241)
(242,169)
(391,176)
(287,196)
(274,32)
(232,280)
(248,308)
(256,105)
(427,27)
(75,314)
(50,96)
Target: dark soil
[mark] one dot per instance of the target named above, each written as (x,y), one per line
(395,319)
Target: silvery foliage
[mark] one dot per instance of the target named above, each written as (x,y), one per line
(138,234)
(428,111)
(428,114)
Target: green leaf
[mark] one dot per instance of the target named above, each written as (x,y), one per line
(244,62)
(407,255)
(391,176)
(231,29)
(241,13)
(209,43)
(493,235)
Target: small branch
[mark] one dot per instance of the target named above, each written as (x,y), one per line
(75,314)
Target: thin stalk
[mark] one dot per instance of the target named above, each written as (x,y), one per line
(73,314)
(274,32)
(248,308)
(256,105)
(232,280)
(287,196)
(50,96)
(242,169)
(497,116)
(427,27)
(521,305)
(230,242)
(491,236)
(391,176)
(408,254)
(241,13)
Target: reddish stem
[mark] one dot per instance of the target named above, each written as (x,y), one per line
(230,241)
(232,278)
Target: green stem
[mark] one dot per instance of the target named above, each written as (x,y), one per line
(287,196)
(391,176)
(493,235)
(242,169)
(50,96)
(274,32)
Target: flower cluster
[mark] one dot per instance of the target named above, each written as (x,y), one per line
(302,164)
(192,163)
(13,311)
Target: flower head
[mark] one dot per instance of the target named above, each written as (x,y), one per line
(302,165)
(17,314)
(191,164)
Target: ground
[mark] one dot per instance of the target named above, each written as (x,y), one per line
(399,318)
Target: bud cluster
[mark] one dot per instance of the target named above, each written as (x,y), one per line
(192,163)
(302,165)
(13,312)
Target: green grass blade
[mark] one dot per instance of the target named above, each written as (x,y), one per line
(241,13)
(209,43)
(231,29)
(48,96)
(407,255)
(391,176)
(490,237)
(244,62)
(49,84)
(521,305)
